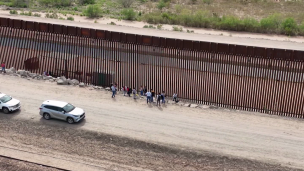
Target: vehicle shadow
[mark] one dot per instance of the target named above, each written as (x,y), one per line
(57,122)
(10,115)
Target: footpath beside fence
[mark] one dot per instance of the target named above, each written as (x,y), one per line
(241,77)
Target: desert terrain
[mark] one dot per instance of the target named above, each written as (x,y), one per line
(127,134)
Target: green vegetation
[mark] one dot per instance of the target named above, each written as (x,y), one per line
(84,2)
(126,3)
(271,24)
(70,18)
(37,15)
(53,15)
(129,14)
(55,3)
(289,27)
(175,28)
(19,3)
(93,11)
(26,13)
(259,16)
(149,26)
(112,23)
(13,12)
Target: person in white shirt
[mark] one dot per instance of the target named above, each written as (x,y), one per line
(148,96)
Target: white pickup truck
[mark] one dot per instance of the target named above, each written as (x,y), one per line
(8,104)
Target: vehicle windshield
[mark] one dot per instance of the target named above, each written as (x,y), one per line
(68,107)
(5,99)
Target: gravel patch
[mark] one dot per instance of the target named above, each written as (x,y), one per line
(15,165)
(119,150)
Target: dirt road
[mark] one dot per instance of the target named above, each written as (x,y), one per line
(242,136)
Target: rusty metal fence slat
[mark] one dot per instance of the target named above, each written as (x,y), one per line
(239,77)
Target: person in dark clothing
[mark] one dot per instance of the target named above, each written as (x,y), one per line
(158,99)
(145,90)
(163,95)
(153,95)
(129,92)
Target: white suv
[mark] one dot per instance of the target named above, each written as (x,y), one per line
(61,110)
(8,104)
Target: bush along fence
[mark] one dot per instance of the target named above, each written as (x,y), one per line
(239,77)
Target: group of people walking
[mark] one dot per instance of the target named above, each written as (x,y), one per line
(150,94)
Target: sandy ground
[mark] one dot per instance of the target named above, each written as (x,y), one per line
(270,139)
(14,165)
(134,27)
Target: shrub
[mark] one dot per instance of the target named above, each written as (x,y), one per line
(301,29)
(289,27)
(93,11)
(129,14)
(37,15)
(26,13)
(193,1)
(207,2)
(271,24)
(251,25)
(175,28)
(161,4)
(70,18)
(13,12)
(81,2)
(126,3)
(159,26)
(149,26)
(56,3)
(231,23)
(53,15)
(19,3)
(112,23)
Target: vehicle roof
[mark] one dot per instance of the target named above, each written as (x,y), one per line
(55,103)
(2,94)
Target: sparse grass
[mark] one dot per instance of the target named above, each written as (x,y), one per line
(236,15)
(37,15)
(149,26)
(53,15)
(191,31)
(159,27)
(70,18)
(175,28)
(26,13)
(112,23)
(13,12)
